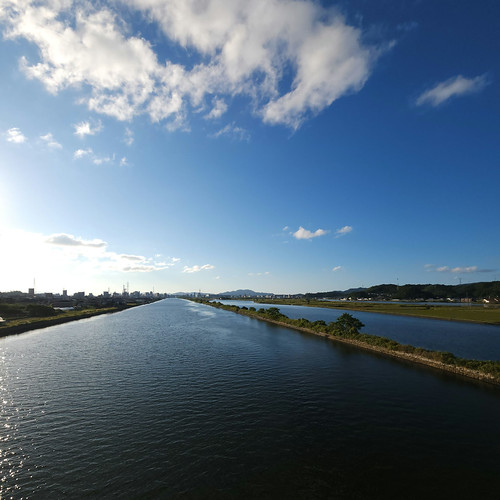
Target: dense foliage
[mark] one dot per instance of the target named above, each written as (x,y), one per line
(474,291)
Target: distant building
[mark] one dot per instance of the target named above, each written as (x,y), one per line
(31,292)
(65,294)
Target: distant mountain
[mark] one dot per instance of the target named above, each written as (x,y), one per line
(244,293)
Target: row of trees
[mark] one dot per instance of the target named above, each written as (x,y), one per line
(474,291)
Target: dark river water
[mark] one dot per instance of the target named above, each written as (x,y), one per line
(466,340)
(180,400)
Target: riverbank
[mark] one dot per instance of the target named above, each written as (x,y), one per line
(22,326)
(488,315)
(345,330)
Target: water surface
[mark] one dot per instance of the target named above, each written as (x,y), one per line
(180,400)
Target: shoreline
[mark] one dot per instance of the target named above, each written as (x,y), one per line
(6,331)
(469,373)
(466,372)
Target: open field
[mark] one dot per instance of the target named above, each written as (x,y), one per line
(475,314)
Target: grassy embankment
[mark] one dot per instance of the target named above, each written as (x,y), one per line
(22,318)
(474,314)
(346,329)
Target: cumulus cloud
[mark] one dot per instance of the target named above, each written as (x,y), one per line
(453,87)
(15,135)
(304,234)
(343,231)
(218,109)
(291,59)
(49,140)
(80,153)
(70,240)
(52,258)
(197,269)
(85,128)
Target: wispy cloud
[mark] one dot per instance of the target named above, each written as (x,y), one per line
(197,269)
(246,48)
(49,140)
(129,137)
(337,268)
(15,135)
(453,87)
(265,273)
(234,132)
(99,160)
(343,231)
(456,270)
(83,129)
(305,234)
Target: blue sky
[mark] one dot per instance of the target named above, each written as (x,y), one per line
(275,145)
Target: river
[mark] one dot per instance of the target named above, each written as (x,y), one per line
(466,340)
(180,400)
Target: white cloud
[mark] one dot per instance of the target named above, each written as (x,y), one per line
(197,269)
(241,47)
(80,153)
(15,135)
(50,141)
(99,160)
(343,231)
(337,268)
(129,137)
(64,239)
(233,132)
(85,128)
(123,162)
(453,87)
(55,258)
(285,228)
(265,273)
(218,109)
(304,234)
(456,270)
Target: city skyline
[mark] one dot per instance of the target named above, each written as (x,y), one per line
(284,147)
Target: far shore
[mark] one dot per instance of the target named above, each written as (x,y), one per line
(38,323)
(488,315)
